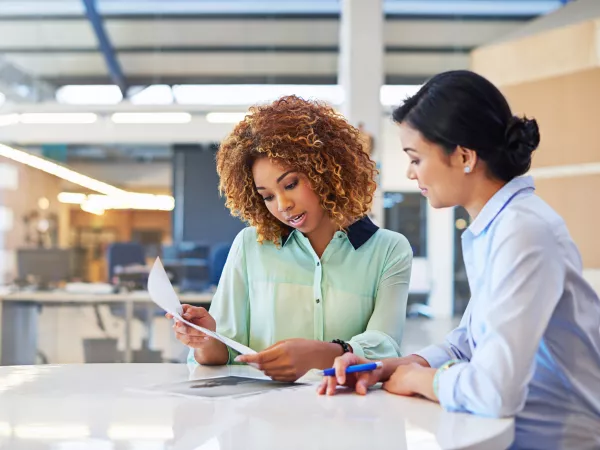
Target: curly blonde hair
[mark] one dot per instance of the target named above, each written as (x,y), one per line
(306,136)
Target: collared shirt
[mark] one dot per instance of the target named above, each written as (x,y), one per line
(356,291)
(529,340)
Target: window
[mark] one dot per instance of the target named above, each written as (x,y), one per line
(406,213)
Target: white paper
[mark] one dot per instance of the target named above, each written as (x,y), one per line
(162,293)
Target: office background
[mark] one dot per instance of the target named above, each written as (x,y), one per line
(136,95)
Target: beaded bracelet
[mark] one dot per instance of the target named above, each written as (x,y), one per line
(442,369)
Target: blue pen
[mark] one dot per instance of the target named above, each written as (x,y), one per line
(353,369)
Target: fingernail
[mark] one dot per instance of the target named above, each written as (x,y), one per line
(238,359)
(340,380)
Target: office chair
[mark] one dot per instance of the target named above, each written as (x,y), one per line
(218,257)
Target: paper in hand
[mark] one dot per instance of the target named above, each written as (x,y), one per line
(162,293)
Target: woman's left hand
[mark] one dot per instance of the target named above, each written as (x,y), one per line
(285,360)
(411,379)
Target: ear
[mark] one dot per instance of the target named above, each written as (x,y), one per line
(468,157)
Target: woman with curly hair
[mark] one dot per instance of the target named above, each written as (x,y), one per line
(312,277)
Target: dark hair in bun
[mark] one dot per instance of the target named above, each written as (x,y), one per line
(461,108)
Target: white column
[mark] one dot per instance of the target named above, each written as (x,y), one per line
(361,72)
(440,255)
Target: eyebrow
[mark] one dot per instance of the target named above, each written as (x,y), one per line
(281,177)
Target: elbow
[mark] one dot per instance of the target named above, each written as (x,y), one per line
(501,405)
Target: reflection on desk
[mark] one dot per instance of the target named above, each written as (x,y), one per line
(94,406)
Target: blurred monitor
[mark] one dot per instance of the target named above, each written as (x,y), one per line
(44,265)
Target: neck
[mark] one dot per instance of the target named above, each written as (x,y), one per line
(484,190)
(321,237)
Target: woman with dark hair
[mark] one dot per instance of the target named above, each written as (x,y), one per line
(312,277)
(529,342)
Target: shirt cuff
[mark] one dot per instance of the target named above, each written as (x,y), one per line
(446,386)
(435,355)
(357,349)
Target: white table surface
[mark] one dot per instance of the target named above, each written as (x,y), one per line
(68,407)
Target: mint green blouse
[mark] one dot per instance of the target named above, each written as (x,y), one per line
(356,291)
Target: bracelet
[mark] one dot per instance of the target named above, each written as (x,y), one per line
(441,370)
(345,346)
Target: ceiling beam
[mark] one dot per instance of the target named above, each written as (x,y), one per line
(114,68)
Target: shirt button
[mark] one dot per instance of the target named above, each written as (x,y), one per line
(318,264)
(318,301)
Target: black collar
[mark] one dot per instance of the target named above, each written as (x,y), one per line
(358,233)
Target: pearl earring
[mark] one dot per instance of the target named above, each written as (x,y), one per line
(467,169)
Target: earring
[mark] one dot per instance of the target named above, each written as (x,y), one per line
(467,169)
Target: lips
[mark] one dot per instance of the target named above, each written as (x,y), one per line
(294,220)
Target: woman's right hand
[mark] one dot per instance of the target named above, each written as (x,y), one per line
(360,381)
(190,336)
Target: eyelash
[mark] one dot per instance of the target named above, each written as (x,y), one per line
(289,187)
(415,162)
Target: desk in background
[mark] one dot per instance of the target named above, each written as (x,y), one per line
(19,313)
(80,406)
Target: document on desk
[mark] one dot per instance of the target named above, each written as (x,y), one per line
(162,293)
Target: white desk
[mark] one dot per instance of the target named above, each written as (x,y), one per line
(25,303)
(89,406)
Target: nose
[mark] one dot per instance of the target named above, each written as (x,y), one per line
(410,173)
(284,203)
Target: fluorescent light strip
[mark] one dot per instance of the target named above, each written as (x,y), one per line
(73,198)
(60,171)
(97,204)
(225,117)
(57,118)
(156,118)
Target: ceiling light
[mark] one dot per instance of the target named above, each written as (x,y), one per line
(74,198)
(57,118)
(156,94)
(251,94)
(91,208)
(89,95)
(225,117)
(157,118)
(60,171)
(8,119)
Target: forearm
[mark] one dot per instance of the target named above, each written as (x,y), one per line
(212,353)
(390,365)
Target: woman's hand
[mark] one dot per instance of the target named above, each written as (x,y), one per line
(207,350)
(412,379)
(359,381)
(190,336)
(290,359)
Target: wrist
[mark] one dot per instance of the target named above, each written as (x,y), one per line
(420,381)
(327,352)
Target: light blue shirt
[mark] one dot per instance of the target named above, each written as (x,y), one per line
(530,337)
(356,291)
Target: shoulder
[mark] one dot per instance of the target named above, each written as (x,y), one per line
(528,226)
(530,219)
(395,245)
(247,240)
